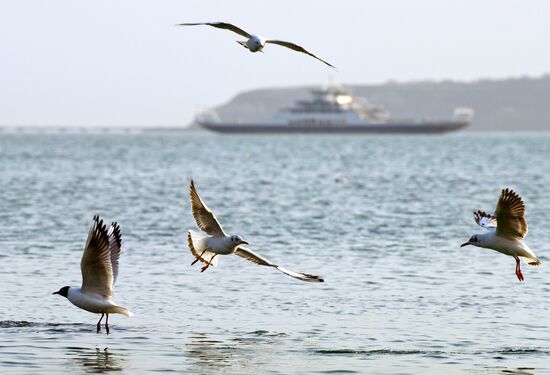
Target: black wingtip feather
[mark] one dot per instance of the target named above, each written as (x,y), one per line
(316,278)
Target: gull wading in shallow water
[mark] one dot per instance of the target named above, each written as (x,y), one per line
(506,230)
(99,268)
(255,43)
(207,248)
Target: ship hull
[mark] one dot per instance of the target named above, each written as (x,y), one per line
(387,128)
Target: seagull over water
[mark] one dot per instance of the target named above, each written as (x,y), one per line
(99,268)
(256,43)
(208,248)
(506,230)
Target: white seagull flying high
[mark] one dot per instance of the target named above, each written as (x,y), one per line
(99,268)
(256,43)
(207,248)
(506,230)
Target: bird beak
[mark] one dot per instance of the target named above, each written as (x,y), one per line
(465,244)
(56,292)
(244,243)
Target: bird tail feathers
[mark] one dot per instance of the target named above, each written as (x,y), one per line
(199,250)
(120,310)
(532,261)
(301,276)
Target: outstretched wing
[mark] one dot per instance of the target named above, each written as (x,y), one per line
(115,245)
(255,258)
(485,220)
(97,272)
(510,215)
(220,25)
(206,220)
(298,48)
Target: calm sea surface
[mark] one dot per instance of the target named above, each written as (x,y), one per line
(381,218)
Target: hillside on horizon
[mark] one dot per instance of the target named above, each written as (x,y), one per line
(504,104)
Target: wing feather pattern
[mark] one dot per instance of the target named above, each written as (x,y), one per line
(97,271)
(510,214)
(255,258)
(205,218)
(298,48)
(485,220)
(220,25)
(115,245)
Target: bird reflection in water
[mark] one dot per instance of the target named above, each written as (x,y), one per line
(245,353)
(520,371)
(97,360)
(212,354)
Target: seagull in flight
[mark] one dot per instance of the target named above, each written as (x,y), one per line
(256,43)
(99,268)
(207,248)
(506,230)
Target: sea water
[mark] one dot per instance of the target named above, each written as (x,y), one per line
(380,218)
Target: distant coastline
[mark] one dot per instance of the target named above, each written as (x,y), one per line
(514,104)
(54,129)
(502,105)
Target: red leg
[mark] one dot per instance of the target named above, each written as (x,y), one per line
(107,323)
(99,324)
(518,270)
(196,260)
(204,268)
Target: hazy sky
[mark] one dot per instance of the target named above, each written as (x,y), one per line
(123,62)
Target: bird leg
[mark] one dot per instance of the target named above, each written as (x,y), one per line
(204,268)
(198,258)
(518,270)
(107,323)
(99,323)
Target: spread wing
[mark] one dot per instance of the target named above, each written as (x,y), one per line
(97,272)
(298,48)
(485,220)
(255,258)
(206,220)
(510,215)
(115,245)
(220,25)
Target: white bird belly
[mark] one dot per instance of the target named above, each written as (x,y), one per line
(511,247)
(94,303)
(255,43)
(219,245)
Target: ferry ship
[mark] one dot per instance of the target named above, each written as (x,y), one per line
(334,110)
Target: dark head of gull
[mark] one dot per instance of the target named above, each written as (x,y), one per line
(63,291)
(471,241)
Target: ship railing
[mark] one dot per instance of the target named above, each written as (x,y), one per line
(463,114)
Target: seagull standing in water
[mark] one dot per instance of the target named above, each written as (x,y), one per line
(207,248)
(99,268)
(256,43)
(506,230)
